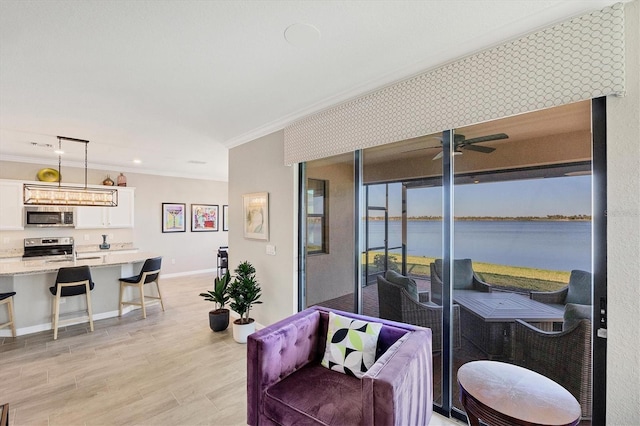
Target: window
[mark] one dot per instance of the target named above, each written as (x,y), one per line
(317,240)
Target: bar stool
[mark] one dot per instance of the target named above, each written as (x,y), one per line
(7,299)
(150,273)
(71,281)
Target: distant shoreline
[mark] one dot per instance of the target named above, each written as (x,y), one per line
(552,218)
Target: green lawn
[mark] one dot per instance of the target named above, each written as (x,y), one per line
(510,277)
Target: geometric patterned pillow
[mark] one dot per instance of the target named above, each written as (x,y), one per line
(351,345)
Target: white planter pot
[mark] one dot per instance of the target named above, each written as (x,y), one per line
(242,331)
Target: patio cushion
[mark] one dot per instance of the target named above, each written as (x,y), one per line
(405,282)
(579,288)
(573,313)
(462,273)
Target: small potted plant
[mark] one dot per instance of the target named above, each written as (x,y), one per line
(244,292)
(219,316)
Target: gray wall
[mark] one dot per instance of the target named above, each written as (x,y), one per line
(182,252)
(258,167)
(331,275)
(623,239)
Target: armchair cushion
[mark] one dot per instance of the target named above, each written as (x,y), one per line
(405,282)
(313,394)
(573,313)
(351,345)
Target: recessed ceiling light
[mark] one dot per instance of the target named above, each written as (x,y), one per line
(136,161)
(302,35)
(196,162)
(59,151)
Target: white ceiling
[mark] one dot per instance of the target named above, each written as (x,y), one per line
(176,82)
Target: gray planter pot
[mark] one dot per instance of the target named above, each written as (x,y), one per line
(219,319)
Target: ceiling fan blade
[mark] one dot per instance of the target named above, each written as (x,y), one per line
(438,156)
(486,138)
(478,148)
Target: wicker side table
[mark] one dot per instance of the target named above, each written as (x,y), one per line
(503,394)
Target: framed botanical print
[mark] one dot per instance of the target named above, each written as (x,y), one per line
(255,209)
(173,217)
(204,217)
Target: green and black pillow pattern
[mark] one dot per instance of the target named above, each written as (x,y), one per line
(351,345)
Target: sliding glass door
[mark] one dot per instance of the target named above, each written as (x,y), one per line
(522,232)
(492,222)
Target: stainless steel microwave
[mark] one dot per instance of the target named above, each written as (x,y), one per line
(49,216)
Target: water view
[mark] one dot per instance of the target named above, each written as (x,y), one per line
(552,245)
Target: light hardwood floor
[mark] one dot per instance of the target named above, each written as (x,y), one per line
(169,369)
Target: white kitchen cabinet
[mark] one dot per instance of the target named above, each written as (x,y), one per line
(11,205)
(108,217)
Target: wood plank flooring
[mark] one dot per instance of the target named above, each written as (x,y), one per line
(169,369)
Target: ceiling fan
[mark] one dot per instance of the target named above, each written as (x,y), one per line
(460,142)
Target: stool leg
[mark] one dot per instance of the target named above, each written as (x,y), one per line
(144,311)
(56,314)
(88,294)
(11,317)
(121,293)
(159,294)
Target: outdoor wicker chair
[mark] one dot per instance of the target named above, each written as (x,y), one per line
(464,278)
(564,357)
(577,291)
(396,304)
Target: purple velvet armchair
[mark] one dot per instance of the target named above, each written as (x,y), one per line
(286,385)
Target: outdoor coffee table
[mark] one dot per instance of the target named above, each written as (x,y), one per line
(488,319)
(502,394)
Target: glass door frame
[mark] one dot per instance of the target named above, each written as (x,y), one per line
(599,250)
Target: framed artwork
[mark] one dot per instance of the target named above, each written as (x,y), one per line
(204,217)
(255,210)
(225,217)
(173,217)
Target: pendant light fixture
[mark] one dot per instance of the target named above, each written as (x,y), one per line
(50,195)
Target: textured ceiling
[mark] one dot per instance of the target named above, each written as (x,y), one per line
(176,83)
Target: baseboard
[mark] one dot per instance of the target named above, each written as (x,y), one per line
(184,274)
(48,326)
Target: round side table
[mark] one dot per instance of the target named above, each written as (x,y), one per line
(504,394)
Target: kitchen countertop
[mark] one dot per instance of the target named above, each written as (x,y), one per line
(87,248)
(39,266)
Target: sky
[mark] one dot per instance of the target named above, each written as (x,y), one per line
(537,197)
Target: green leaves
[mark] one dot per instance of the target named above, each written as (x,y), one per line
(244,290)
(220,293)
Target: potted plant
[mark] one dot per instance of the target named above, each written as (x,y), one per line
(244,292)
(219,317)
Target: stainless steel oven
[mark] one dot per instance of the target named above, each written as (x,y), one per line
(49,216)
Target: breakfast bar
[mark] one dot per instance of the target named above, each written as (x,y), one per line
(31,279)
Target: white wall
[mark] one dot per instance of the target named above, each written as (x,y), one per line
(254,166)
(192,251)
(258,167)
(623,237)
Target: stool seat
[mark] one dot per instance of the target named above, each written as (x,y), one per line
(73,290)
(71,281)
(7,299)
(6,295)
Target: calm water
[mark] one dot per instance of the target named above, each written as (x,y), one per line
(561,246)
